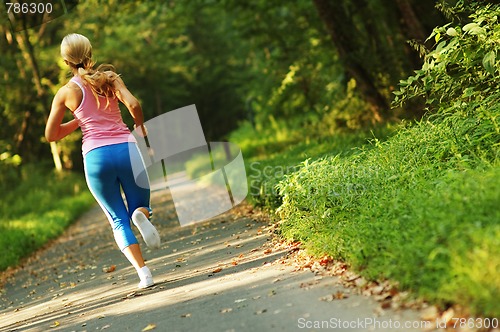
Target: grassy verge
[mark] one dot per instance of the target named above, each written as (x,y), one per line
(270,156)
(38,208)
(420,208)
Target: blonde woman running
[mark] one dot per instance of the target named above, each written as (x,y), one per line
(92,96)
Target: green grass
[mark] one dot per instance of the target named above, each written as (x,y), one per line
(38,207)
(420,208)
(270,156)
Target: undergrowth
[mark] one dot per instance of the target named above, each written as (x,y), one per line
(37,208)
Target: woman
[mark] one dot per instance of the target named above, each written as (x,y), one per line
(92,96)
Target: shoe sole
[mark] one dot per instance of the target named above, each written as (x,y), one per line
(147,230)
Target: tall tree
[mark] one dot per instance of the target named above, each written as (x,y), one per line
(371,41)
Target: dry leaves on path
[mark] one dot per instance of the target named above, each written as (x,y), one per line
(109,269)
(149,327)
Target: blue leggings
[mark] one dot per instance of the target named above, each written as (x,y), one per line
(107,169)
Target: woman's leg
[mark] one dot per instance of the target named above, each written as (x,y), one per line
(134,255)
(103,182)
(138,196)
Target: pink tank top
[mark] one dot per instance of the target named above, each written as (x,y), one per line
(101,124)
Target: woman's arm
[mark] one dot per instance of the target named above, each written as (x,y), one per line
(128,99)
(55,129)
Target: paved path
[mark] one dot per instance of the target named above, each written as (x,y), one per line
(221,275)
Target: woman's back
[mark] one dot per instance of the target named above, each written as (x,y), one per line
(99,118)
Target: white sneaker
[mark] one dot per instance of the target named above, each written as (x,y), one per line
(146,278)
(147,230)
(146,282)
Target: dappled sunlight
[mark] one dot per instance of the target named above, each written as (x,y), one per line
(71,278)
(196,286)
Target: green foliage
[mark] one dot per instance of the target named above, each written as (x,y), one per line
(9,170)
(459,83)
(462,67)
(234,60)
(295,71)
(399,210)
(167,59)
(422,207)
(38,207)
(271,154)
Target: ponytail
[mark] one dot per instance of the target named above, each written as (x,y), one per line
(76,50)
(100,80)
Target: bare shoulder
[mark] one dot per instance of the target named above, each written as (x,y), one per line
(70,95)
(70,86)
(63,91)
(61,96)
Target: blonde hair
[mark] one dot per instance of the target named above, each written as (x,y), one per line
(76,50)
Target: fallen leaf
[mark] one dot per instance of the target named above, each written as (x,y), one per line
(447,316)
(377,290)
(325,261)
(340,295)
(109,269)
(336,296)
(217,270)
(56,324)
(131,295)
(385,304)
(268,251)
(149,327)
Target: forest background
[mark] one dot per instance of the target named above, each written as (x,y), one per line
(370,128)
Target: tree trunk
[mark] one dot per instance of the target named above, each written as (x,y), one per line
(26,48)
(56,156)
(414,29)
(337,23)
